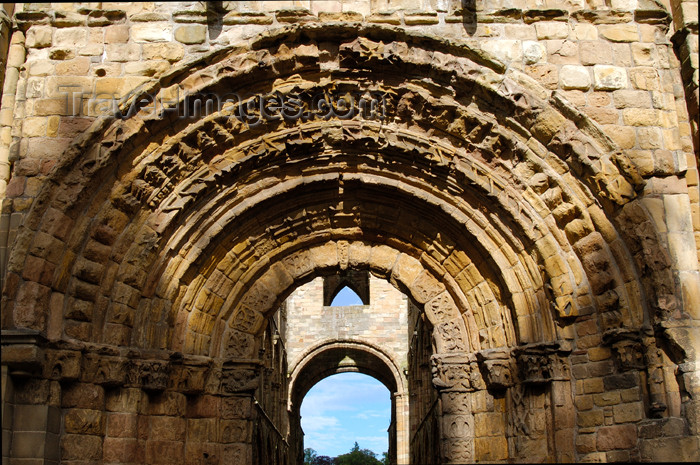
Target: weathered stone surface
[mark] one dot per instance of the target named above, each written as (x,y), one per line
(609,77)
(520,173)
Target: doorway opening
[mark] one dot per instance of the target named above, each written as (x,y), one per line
(346,417)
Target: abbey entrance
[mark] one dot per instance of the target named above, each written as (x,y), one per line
(510,187)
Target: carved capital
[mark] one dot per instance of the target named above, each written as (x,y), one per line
(497,367)
(189,378)
(104,370)
(150,375)
(239,378)
(543,363)
(627,348)
(63,365)
(456,372)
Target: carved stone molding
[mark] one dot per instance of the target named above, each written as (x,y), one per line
(22,350)
(27,353)
(543,362)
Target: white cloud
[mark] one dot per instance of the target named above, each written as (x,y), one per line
(315,423)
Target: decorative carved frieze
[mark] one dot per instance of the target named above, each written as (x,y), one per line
(31,355)
(189,378)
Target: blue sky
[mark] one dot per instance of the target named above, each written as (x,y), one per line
(346,407)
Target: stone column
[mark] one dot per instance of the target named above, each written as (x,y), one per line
(402,428)
(15,60)
(456,376)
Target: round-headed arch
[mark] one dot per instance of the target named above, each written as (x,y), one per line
(333,357)
(178,232)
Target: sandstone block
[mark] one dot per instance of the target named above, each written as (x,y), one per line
(616,437)
(609,77)
(202,430)
(631,99)
(627,413)
(84,421)
(643,54)
(585,443)
(117,34)
(624,4)
(574,77)
(585,31)
(70,37)
(533,52)
(167,51)
(552,30)
(593,385)
(165,452)
(595,53)
(203,407)
(546,74)
(122,450)
(151,32)
(39,37)
(491,449)
(76,67)
(123,52)
(125,400)
(619,32)
(589,418)
(40,68)
(645,78)
(650,138)
(166,428)
(191,34)
(122,425)
(81,447)
(565,52)
(640,117)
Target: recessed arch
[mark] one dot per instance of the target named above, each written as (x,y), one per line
(496,141)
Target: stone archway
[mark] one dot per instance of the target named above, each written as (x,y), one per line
(336,357)
(496,205)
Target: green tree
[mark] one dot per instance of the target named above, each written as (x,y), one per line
(309,456)
(358,456)
(385,458)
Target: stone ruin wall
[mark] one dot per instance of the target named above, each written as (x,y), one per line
(613,61)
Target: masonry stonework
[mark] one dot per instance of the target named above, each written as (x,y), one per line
(523,173)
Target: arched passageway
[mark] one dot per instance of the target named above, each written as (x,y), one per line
(162,248)
(347,357)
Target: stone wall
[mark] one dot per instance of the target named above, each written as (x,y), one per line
(531,185)
(382,323)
